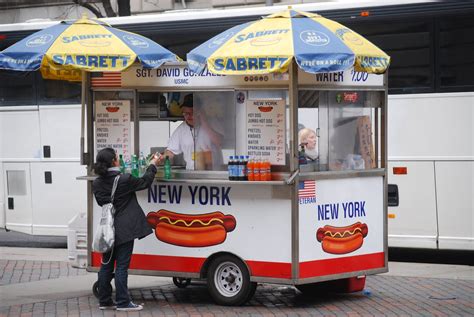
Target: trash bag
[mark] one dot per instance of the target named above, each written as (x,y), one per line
(104,236)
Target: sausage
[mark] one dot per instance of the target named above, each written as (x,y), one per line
(342,245)
(186,220)
(190,236)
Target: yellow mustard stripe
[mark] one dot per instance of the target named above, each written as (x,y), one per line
(192,222)
(340,235)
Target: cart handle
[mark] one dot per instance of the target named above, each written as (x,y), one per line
(292,177)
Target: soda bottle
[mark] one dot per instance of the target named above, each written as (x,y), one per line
(167,168)
(134,165)
(128,166)
(269,171)
(122,164)
(241,168)
(250,167)
(230,167)
(256,170)
(263,170)
(141,164)
(246,170)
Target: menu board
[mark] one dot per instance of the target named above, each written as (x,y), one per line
(266,130)
(112,125)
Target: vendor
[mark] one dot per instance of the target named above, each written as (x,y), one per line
(197,138)
(307,138)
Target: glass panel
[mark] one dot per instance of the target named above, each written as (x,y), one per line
(350,134)
(17,88)
(214,129)
(16,183)
(308,127)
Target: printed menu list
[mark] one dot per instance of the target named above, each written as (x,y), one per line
(112,125)
(266,130)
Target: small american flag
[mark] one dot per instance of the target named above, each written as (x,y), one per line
(106,79)
(307,189)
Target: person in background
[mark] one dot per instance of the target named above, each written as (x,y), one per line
(194,136)
(129,222)
(307,137)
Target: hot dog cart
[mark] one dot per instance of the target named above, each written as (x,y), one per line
(316,223)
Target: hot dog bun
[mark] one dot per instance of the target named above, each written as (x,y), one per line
(340,240)
(191,230)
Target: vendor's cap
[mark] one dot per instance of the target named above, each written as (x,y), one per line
(188,101)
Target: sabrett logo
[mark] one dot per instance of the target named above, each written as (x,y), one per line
(103,61)
(247,36)
(69,39)
(249,63)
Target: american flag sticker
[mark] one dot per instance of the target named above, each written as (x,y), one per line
(307,192)
(106,79)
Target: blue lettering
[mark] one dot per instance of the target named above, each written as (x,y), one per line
(92,61)
(252,63)
(161,193)
(113,60)
(69,60)
(58,59)
(214,195)
(241,64)
(225,196)
(362,209)
(193,193)
(174,194)
(219,64)
(230,64)
(152,194)
(81,60)
(102,61)
(203,197)
(328,211)
(239,38)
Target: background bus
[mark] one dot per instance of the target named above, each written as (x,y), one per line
(430,133)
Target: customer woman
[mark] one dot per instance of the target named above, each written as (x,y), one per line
(130,223)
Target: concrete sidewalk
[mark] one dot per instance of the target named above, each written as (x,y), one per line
(81,285)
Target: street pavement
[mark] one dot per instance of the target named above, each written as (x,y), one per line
(40,282)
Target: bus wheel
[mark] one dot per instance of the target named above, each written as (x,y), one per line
(181,282)
(228,281)
(95,289)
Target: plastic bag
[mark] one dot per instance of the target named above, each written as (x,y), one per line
(104,236)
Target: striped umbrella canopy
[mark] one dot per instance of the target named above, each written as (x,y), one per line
(63,50)
(317,44)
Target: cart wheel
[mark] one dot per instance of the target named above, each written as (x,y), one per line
(228,281)
(181,282)
(95,289)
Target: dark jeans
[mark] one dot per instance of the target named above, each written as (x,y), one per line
(120,256)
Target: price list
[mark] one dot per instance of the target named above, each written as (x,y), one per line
(112,125)
(266,130)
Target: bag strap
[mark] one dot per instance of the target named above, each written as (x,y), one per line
(114,188)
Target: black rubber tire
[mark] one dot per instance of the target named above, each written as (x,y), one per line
(95,289)
(181,282)
(235,288)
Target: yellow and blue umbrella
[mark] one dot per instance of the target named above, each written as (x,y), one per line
(318,45)
(85,44)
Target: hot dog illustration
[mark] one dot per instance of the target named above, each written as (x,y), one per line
(341,240)
(202,230)
(112,109)
(265,108)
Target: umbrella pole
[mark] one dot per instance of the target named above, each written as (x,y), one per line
(83,115)
(293,99)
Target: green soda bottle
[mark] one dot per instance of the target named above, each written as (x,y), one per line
(167,168)
(122,164)
(135,170)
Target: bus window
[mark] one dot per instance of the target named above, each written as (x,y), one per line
(456,45)
(17,88)
(409,44)
(58,91)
